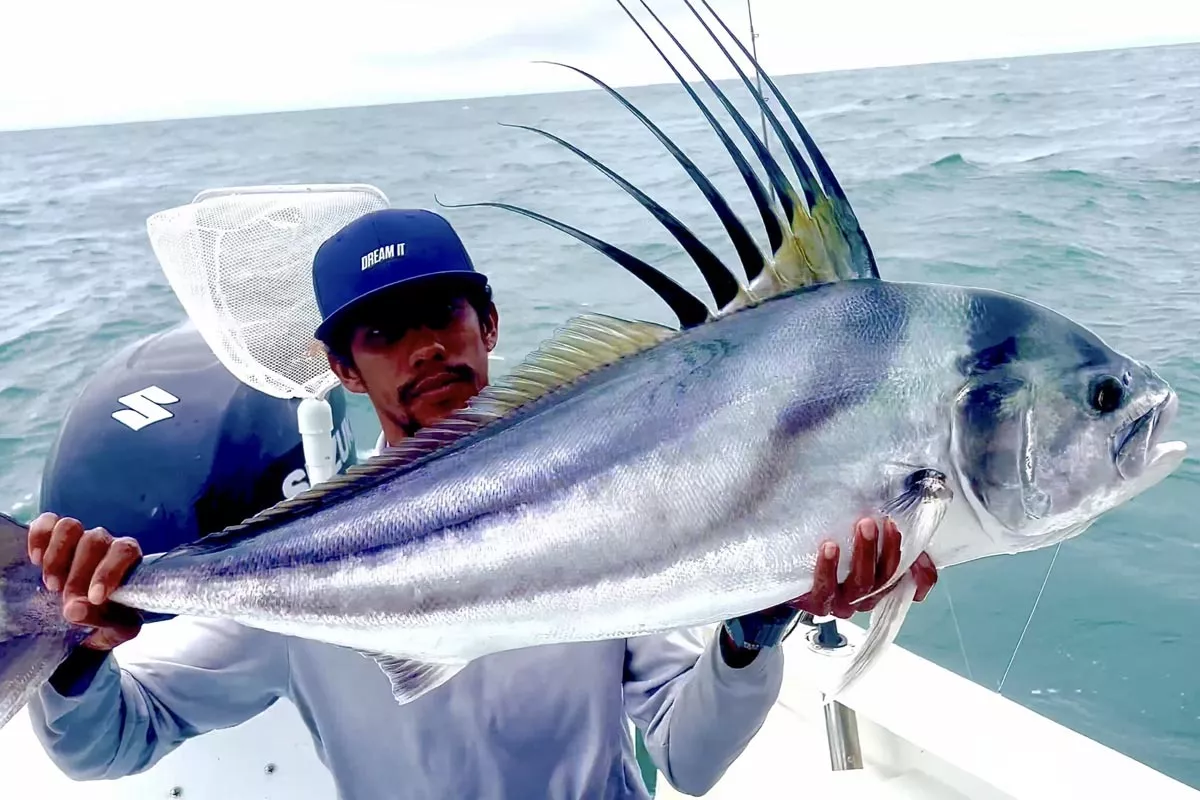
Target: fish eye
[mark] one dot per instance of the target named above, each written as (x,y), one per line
(1107,394)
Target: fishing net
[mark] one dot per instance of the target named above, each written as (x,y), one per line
(240,262)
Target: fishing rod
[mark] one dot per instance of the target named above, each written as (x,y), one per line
(758,74)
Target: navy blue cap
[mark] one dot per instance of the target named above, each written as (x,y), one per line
(382,250)
(165,445)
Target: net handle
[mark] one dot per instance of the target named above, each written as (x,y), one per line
(290,188)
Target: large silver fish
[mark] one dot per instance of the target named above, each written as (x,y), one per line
(630,478)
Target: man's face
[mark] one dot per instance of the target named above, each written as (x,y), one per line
(419,354)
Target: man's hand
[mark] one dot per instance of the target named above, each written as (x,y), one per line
(870,567)
(86,566)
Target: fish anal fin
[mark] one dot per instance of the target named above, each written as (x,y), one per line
(584,344)
(412,679)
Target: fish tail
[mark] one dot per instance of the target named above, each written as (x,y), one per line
(886,620)
(34,638)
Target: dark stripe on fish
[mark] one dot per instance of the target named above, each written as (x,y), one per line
(647,401)
(1002,329)
(869,326)
(998,327)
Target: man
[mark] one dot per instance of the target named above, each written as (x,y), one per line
(409,322)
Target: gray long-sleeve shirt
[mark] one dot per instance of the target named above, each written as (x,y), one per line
(546,722)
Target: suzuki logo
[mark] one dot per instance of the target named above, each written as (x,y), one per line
(144,407)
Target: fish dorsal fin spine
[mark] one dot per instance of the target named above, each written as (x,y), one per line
(586,343)
(812,232)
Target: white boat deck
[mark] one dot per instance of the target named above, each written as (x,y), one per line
(924,731)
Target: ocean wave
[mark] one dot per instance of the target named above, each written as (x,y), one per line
(951,164)
(24,509)
(1020,97)
(953,161)
(1085,179)
(1184,184)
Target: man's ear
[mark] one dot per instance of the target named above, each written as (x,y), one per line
(347,374)
(491,330)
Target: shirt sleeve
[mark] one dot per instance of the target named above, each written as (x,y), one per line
(697,713)
(185,677)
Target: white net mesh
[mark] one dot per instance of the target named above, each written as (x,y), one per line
(240,261)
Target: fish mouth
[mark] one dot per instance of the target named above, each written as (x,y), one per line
(1140,452)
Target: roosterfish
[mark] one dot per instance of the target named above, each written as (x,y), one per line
(630,478)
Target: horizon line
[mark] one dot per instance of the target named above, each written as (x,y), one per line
(36,128)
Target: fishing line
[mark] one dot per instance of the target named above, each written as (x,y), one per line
(962,646)
(1036,600)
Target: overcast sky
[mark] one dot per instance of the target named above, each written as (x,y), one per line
(68,62)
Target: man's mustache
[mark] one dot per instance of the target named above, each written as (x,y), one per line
(457,372)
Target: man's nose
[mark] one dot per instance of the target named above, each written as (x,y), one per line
(430,350)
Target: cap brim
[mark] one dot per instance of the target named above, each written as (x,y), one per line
(340,314)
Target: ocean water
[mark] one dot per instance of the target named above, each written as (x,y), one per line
(1073,180)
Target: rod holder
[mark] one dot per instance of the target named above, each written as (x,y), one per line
(841,723)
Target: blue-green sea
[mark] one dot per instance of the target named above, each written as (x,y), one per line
(1073,180)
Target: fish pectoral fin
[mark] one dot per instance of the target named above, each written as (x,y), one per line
(918,509)
(410,678)
(886,620)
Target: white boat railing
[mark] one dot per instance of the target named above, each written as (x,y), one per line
(923,732)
